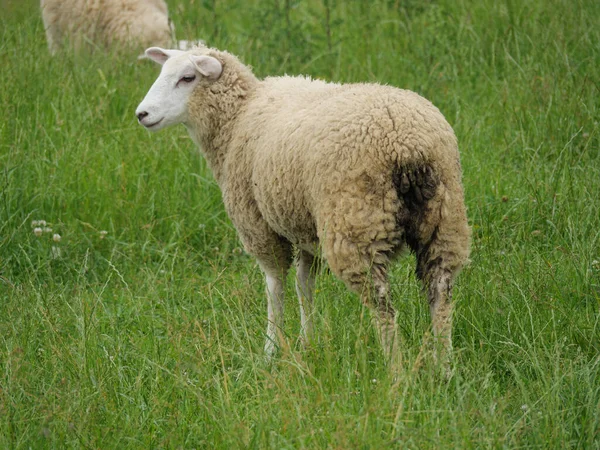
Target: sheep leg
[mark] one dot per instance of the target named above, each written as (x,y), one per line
(384,316)
(370,281)
(435,222)
(305,285)
(439,293)
(438,262)
(361,262)
(275,296)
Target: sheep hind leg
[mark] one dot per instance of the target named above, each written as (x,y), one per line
(376,295)
(371,283)
(305,285)
(438,263)
(439,294)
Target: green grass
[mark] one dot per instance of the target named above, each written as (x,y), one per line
(150,336)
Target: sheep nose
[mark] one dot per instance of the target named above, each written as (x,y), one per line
(141,115)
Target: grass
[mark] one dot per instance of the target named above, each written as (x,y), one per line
(150,335)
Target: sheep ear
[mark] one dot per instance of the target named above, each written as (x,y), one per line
(208,66)
(160,55)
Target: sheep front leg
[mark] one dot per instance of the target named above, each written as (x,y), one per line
(275,295)
(305,285)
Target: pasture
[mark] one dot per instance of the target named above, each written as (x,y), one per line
(142,324)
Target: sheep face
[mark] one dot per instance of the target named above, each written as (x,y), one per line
(166,103)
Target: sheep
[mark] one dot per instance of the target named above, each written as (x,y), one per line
(106,23)
(349,173)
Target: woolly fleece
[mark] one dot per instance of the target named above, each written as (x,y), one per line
(106,23)
(301,161)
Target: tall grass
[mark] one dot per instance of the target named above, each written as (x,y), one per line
(143,326)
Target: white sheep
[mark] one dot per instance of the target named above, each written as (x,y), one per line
(359,170)
(106,23)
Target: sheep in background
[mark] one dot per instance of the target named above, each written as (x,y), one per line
(106,23)
(361,170)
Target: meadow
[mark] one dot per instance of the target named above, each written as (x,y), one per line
(143,326)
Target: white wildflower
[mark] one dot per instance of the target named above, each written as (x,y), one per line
(56,237)
(103,234)
(38,231)
(47,230)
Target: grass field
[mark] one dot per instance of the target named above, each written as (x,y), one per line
(143,326)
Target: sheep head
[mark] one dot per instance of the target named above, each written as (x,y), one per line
(166,103)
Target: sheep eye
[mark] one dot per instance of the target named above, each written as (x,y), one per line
(188,79)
